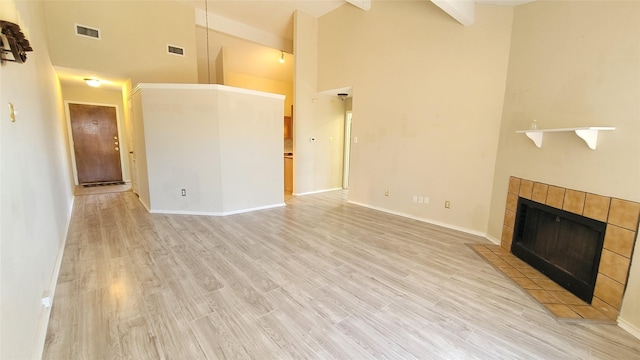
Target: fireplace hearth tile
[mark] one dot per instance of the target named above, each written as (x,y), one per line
(510,218)
(526,189)
(499,263)
(562,311)
(504,254)
(619,240)
(507,234)
(548,284)
(543,296)
(614,266)
(605,308)
(532,273)
(517,263)
(512,202)
(624,214)
(540,192)
(555,196)
(621,218)
(511,272)
(596,207)
(574,201)
(525,283)
(609,291)
(588,312)
(568,298)
(514,185)
(561,304)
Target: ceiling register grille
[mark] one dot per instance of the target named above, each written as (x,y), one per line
(82,30)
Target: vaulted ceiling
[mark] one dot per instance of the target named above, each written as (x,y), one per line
(270,22)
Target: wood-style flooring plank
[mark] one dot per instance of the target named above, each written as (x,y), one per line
(317,279)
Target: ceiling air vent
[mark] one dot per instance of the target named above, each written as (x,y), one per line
(175,50)
(82,30)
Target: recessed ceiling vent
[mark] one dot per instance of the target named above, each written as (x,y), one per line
(175,50)
(82,30)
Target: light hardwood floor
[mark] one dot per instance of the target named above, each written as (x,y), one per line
(318,279)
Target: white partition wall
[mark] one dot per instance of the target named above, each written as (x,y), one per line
(208,149)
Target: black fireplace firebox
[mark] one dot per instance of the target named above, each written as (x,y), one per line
(564,246)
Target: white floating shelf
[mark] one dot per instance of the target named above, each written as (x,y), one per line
(588,134)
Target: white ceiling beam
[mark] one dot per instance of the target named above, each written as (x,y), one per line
(242,30)
(362,4)
(461,10)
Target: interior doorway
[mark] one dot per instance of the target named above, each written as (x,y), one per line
(96,143)
(347,149)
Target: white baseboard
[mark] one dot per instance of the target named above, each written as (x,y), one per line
(143,204)
(492,239)
(429,221)
(629,328)
(207,213)
(45,313)
(316,191)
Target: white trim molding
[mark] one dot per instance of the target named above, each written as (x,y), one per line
(429,221)
(209,213)
(631,329)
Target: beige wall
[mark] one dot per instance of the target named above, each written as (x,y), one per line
(139,167)
(262,84)
(240,63)
(103,96)
(222,144)
(574,63)
(427,104)
(134,41)
(35,191)
(317,164)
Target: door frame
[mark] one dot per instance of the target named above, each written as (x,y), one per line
(346,162)
(70,135)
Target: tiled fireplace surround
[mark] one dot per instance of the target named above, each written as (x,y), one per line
(621,217)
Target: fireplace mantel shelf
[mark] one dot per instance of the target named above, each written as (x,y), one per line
(588,134)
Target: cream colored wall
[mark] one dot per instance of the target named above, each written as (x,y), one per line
(140,166)
(182,149)
(134,41)
(222,144)
(102,96)
(251,144)
(317,164)
(240,63)
(574,63)
(427,103)
(128,126)
(35,191)
(262,84)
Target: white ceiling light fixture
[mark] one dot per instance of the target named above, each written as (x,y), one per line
(93,82)
(281,57)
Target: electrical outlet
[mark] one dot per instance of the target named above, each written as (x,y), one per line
(447,204)
(420,199)
(386,192)
(415,198)
(184,192)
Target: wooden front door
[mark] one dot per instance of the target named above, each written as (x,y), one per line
(96,144)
